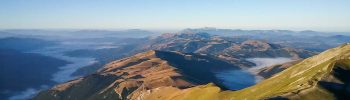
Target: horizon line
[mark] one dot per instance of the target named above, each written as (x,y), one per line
(168,29)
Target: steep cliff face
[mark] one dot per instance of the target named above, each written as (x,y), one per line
(130,77)
(321,77)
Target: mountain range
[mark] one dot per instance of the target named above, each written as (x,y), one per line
(231,49)
(185,65)
(180,66)
(162,75)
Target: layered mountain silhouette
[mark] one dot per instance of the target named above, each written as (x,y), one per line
(24,44)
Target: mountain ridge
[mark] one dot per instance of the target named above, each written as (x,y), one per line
(305,80)
(126,78)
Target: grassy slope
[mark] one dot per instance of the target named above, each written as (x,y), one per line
(301,76)
(300,79)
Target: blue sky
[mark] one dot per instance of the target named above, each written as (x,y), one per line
(320,15)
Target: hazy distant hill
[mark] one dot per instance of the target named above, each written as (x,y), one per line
(256,33)
(80,34)
(24,44)
(341,38)
(134,33)
(312,40)
(6,34)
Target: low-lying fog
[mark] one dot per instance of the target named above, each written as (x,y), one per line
(65,72)
(71,40)
(264,62)
(239,79)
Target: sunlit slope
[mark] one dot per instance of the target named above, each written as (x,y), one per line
(301,79)
(321,77)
